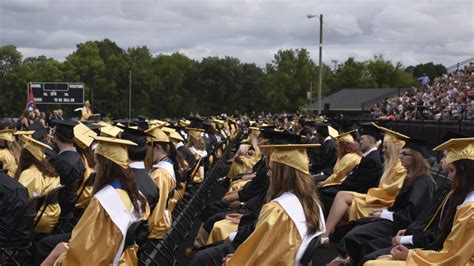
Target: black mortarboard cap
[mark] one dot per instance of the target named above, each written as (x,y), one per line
(134,135)
(64,128)
(452,135)
(371,130)
(277,137)
(40,130)
(419,145)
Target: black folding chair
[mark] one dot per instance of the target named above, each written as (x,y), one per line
(307,257)
(17,253)
(51,199)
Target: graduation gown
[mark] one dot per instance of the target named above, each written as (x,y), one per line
(200,175)
(325,158)
(408,206)
(9,162)
(380,197)
(342,167)
(39,184)
(96,239)
(457,248)
(86,194)
(14,230)
(70,168)
(160,219)
(221,230)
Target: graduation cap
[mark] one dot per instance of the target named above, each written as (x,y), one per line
(452,135)
(157,135)
(135,135)
(22,134)
(7,134)
(457,149)
(36,148)
(195,132)
(394,137)
(281,137)
(346,136)
(110,131)
(64,128)
(40,130)
(172,134)
(418,145)
(293,155)
(83,136)
(370,129)
(114,149)
(325,129)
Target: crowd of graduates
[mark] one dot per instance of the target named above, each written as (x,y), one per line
(293,182)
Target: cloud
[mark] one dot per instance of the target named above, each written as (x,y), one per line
(251,30)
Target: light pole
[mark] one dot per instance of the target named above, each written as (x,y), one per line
(310,16)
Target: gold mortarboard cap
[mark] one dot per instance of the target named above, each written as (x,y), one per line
(332,132)
(36,148)
(393,136)
(195,132)
(171,132)
(157,134)
(110,131)
(7,134)
(22,134)
(83,136)
(346,136)
(458,149)
(114,149)
(293,155)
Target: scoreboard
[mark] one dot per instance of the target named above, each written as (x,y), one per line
(57,92)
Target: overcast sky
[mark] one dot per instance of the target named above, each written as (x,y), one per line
(409,31)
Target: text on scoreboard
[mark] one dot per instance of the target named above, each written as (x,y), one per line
(57,92)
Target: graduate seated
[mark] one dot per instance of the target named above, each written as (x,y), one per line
(447,237)
(352,205)
(99,236)
(9,151)
(39,177)
(325,157)
(198,148)
(14,230)
(292,210)
(348,157)
(417,189)
(365,175)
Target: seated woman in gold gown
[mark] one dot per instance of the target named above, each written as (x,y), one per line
(99,236)
(39,177)
(292,216)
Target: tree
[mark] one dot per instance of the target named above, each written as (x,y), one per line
(429,69)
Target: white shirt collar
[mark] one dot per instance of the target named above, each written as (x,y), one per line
(369,151)
(327,138)
(469,199)
(179,145)
(137,165)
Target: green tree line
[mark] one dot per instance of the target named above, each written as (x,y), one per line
(174,85)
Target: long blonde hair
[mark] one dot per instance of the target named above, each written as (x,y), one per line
(391,159)
(287,179)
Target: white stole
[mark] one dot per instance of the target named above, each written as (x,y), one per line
(168,167)
(292,206)
(112,203)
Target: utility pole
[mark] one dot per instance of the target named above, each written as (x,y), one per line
(130,94)
(320,81)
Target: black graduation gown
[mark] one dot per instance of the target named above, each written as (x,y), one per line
(422,238)
(70,169)
(14,230)
(325,158)
(364,176)
(259,183)
(408,206)
(146,186)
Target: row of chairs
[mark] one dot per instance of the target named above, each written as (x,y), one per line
(186,214)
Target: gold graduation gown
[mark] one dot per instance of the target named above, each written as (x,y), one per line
(86,195)
(342,167)
(221,230)
(9,162)
(458,248)
(275,240)
(39,184)
(248,161)
(380,197)
(199,176)
(95,239)
(159,222)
